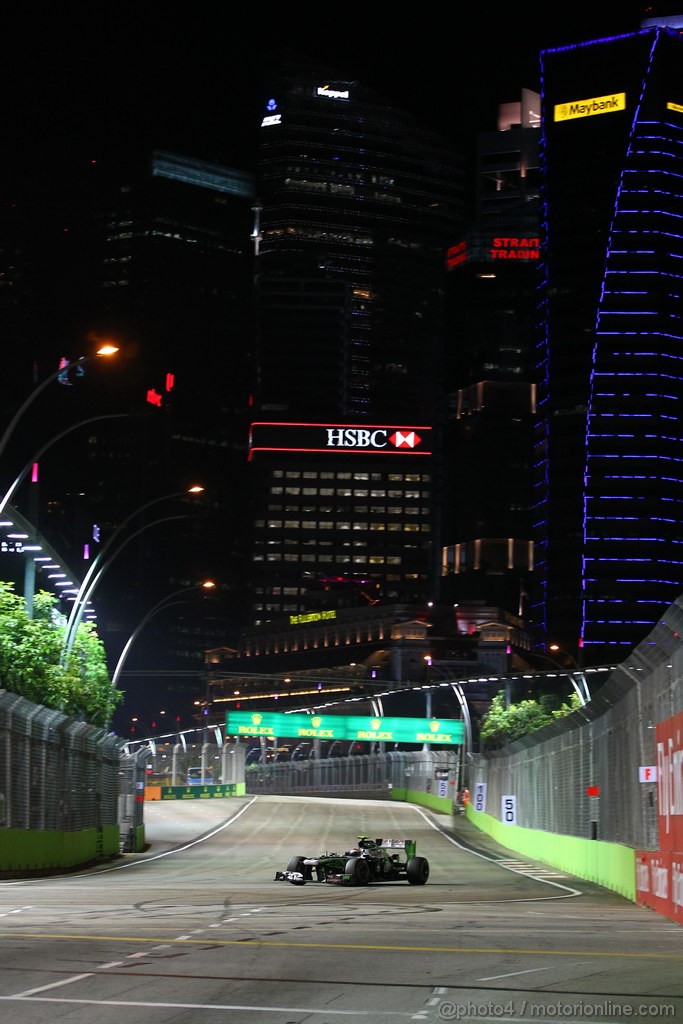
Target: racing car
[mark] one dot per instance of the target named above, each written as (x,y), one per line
(373,860)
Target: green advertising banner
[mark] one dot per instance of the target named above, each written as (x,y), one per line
(344,727)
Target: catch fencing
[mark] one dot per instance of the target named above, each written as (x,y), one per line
(581,776)
(430,772)
(57,773)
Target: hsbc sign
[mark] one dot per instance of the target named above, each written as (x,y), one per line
(330,437)
(361,437)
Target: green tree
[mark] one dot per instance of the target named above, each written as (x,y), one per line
(30,650)
(503,724)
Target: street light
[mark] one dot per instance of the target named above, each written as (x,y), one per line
(165,602)
(582,691)
(96,570)
(48,444)
(104,350)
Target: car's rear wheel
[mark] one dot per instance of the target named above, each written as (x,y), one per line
(359,869)
(297,864)
(417,870)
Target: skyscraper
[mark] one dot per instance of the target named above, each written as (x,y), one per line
(355,206)
(487,550)
(609,476)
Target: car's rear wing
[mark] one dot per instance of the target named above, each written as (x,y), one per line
(409,845)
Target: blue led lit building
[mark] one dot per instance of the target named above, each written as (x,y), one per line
(608,506)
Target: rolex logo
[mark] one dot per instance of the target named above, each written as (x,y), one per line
(256,719)
(375,723)
(317,721)
(434,726)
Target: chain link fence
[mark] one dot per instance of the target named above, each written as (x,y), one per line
(368,775)
(57,773)
(580,776)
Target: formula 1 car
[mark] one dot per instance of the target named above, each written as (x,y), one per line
(373,860)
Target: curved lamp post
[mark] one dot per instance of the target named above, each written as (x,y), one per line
(97,568)
(583,692)
(48,444)
(105,350)
(165,602)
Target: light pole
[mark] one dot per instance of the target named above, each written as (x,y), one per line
(48,444)
(165,602)
(105,350)
(96,570)
(583,691)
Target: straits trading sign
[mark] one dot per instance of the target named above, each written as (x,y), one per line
(447,732)
(367,439)
(616,101)
(482,248)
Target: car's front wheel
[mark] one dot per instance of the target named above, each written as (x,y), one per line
(297,864)
(359,869)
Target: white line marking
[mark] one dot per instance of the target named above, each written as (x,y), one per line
(568,891)
(46,988)
(310,1010)
(533,970)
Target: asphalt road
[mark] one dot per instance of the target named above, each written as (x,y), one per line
(197,930)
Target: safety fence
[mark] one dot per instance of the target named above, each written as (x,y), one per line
(57,773)
(593,774)
(59,779)
(428,776)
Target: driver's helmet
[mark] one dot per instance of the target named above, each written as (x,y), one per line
(366,844)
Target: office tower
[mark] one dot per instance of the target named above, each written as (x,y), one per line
(492,276)
(154,252)
(342,516)
(356,204)
(609,483)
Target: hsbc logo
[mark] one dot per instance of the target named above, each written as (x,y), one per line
(361,437)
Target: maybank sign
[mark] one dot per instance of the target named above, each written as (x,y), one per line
(332,94)
(587,108)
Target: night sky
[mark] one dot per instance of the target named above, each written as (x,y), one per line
(85,83)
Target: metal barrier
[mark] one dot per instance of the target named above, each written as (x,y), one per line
(580,776)
(431,772)
(57,773)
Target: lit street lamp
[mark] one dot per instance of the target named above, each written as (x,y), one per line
(165,602)
(581,690)
(95,571)
(105,350)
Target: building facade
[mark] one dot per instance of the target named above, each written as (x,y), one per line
(608,505)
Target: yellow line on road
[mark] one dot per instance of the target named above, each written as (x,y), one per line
(210,940)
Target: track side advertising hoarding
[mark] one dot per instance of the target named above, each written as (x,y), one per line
(442,731)
(659,874)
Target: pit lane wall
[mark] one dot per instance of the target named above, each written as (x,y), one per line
(599,794)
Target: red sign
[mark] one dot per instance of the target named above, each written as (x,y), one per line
(456,255)
(592,791)
(515,249)
(669,739)
(659,883)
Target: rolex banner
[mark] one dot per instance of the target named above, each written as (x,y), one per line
(449,732)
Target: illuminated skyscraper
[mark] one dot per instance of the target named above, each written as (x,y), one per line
(609,466)
(356,205)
